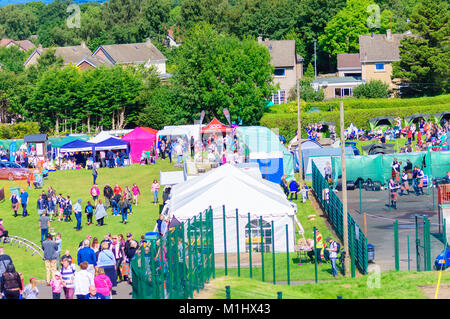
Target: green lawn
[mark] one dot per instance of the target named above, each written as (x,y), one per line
(77,183)
(392,285)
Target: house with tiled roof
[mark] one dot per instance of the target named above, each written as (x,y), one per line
(288,66)
(70,54)
(377,52)
(23,45)
(133,54)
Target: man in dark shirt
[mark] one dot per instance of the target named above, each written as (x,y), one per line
(5,260)
(93,294)
(24,202)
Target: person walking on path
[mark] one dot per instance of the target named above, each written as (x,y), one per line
(51,205)
(57,285)
(5,260)
(100,213)
(103,283)
(31,291)
(87,254)
(94,173)
(14,203)
(95,192)
(50,248)
(118,250)
(24,202)
(155,190)
(83,280)
(136,192)
(41,205)
(129,196)
(332,249)
(77,211)
(68,277)
(11,283)
(44,225)
(3,232)
(107,261)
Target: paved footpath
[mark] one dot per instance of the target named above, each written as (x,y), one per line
(123,291)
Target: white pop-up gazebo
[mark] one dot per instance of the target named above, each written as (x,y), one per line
(233,188)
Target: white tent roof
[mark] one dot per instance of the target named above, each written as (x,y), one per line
(173,131)
(100,137)
(232,187)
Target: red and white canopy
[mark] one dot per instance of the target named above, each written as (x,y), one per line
(216,126)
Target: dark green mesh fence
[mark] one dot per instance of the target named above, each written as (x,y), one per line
(177,264)
(333,208)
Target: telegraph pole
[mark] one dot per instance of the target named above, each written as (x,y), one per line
(299,135)
(344,192)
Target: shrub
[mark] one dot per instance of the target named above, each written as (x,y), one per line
(18,130)
(371,90)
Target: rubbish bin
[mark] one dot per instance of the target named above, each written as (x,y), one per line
(370,252)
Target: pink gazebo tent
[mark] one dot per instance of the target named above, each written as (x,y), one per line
(141,139)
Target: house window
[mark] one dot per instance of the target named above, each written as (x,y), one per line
(342,92)
(379,66)
(279,97)
(280,72)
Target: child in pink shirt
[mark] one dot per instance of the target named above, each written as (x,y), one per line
(136,192)
(57,284)
(102,283)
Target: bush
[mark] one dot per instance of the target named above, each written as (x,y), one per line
(18,130)
(355,103)
(371,90)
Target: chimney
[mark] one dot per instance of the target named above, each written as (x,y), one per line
(388,34)
(260,39)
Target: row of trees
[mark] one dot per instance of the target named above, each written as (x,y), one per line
(214,71)
(335,24)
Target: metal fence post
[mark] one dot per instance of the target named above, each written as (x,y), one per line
(352,249)
(250,246)
(227,292)
(428,244)
(196,263)
(237,242)
(288,269)
(315,255)
(262,247)
(213,259)
(225,241)
(280,295)
(397,261)
(201,251)
(191,288)
(273,254)
(184,269)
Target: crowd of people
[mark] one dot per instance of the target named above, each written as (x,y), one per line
(99,267)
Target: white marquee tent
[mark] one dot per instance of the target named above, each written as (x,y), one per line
(236,189)
(100,137)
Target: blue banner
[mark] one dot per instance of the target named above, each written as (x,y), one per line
(12,151)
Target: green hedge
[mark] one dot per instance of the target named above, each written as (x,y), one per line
(287,122)
(354,103)
(18,130)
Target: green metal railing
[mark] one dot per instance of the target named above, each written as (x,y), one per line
(332,205)
(177,264)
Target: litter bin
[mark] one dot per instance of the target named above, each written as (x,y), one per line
(370,252)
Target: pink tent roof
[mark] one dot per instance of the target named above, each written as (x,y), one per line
(141,139)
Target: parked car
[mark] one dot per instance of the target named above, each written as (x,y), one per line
(442,260)
(12,171)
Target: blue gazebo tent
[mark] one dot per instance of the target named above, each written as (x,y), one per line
(77,146)
(112,144)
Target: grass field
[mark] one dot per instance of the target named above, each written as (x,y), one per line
(77,183)
(392,285)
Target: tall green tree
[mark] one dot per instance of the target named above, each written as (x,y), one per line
(215,71)
(424,59)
